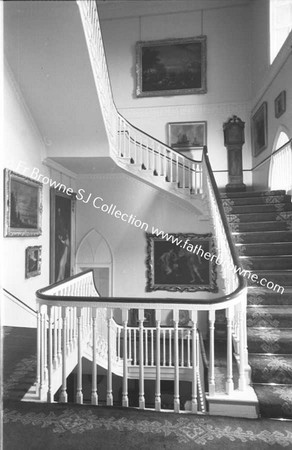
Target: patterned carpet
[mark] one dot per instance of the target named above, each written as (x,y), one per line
(39,426)
(55,426)
(261,223)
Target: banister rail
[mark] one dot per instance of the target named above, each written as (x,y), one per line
(236,262)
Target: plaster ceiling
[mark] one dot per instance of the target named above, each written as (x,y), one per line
(46,52)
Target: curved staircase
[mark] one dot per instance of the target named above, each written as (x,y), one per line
(261,225)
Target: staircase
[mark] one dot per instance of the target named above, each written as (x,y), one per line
(261,225)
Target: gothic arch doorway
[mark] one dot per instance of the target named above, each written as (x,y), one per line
(94,253)
(281,163)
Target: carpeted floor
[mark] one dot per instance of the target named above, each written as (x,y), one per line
(68,427)
(41,426)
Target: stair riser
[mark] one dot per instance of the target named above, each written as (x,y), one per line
(256,209)
(259,376)
(264,237)
(268,298)
(247,201)
(277,347)
(255,217)
(267,263)
(266,320)
(280,279)
(265,249)
(254,226)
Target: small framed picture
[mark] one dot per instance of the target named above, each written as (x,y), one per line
(187,135)
(22,205)
(33,260)
(259,131)
(280,104)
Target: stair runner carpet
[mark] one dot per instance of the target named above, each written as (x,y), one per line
(261,225)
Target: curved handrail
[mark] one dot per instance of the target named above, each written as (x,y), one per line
(204,304)
(95,41)
(170,149)
(242,281)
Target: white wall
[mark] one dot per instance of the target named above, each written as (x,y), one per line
(228,69)
(23,151)
(267,83)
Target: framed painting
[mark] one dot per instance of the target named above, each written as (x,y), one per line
(259,132)
(22,205)
(171,67)
(62,238)
(187,135)
(33,260)
(280,104)
(182,266)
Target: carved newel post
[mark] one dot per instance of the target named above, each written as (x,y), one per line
(233,141)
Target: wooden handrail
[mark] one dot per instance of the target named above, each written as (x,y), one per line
(242,281)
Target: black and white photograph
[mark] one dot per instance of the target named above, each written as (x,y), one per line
(146,242)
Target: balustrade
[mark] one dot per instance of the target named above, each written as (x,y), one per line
(74,325)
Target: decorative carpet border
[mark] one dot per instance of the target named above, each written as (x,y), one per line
(197,430)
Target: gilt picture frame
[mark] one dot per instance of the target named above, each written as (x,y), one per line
(33,260)
(280,104)
(184,136)
(22,205)
(259,129)
(187,267)
(62,235)
(171,67)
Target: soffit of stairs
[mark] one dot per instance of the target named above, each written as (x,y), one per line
(111,9)
(45,48)
(86,166)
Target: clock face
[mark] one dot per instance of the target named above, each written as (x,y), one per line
(234,134)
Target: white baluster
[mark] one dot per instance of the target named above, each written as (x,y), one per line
(63,394)
(79,394)
(177,169)
(94,396)
(170,346)
(164,346)
(194,318)
(242,378)
(141,360)
(38,377)
(130,344)
(50,356)
(135,347)
(229,382)
(152,346)
(182,348)
(157,381)
(55,342)
(189,349)
(146,346)
(109,398)
(176,362)
(212,354)
(125,399)
(59,335)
